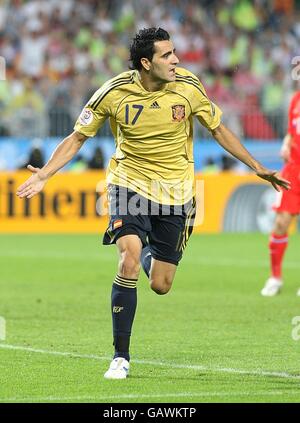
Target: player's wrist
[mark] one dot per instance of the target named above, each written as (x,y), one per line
(258,168)
(44,175)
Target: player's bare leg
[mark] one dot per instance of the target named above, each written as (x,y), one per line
(282,223)
(129,247)
(277,246)
(123,303)
(161,276)
(160,273)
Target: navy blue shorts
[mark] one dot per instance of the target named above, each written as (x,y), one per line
(165,228)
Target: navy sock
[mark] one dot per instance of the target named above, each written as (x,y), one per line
(146,260)
(123,306)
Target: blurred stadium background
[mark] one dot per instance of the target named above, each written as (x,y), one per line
(58,52)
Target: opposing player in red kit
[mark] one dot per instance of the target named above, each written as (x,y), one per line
(288,204)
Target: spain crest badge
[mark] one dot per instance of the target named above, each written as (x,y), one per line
(178,112)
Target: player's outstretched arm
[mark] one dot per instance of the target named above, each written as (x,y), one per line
(233,145)
(63,153)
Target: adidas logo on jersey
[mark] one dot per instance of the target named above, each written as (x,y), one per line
(155,105)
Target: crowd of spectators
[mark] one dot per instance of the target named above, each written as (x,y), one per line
(58,52)
(80,163)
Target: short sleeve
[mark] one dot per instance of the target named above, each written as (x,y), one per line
(207,112)
(93,115)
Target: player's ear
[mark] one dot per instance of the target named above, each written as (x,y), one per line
(146,63)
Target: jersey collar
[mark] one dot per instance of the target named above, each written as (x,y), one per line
(137,80)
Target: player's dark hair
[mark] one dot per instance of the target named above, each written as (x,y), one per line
(143,45)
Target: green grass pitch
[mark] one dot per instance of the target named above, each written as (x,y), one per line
(213,338)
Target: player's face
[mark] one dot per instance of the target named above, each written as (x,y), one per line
(164,61)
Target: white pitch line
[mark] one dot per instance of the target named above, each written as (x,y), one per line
(60,353)
(285,375)
(162,395)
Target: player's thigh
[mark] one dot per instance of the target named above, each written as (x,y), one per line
(124,220)
(167,241)
(162,275)
(165,238)
(127,229)
(169,235)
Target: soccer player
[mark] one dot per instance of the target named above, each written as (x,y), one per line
(288,204)
(150,177)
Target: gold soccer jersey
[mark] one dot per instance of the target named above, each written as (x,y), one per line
(153,132)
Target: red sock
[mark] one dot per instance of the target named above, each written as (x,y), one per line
(277,247)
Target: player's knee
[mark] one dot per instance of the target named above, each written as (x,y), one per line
(281,224)
(280,229)
(129,265)
(161,286)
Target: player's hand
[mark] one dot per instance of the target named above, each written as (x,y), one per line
(34,184)
(274,178)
